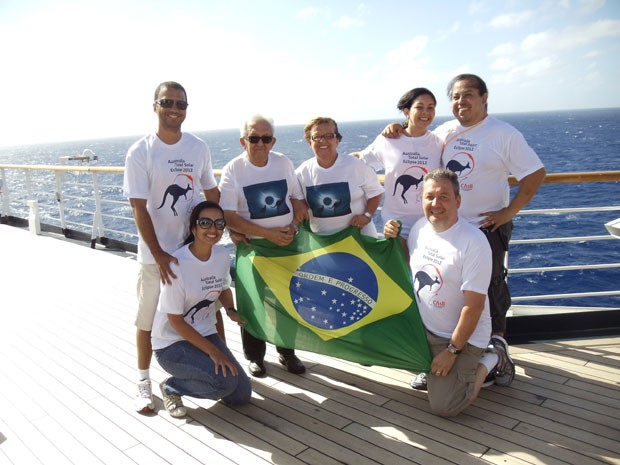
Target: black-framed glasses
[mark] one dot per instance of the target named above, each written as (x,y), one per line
(206,223)
(167,103)
(328,136)
(255,139)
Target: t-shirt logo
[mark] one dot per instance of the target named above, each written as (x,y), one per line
(429,276)
(210,298)
(412,177)
(182,187)
(267,199)
(329,200)
(462,164)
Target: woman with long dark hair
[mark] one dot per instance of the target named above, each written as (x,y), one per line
(407,159)
(185,336)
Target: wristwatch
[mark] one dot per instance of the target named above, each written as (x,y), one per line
(368,215)
(453,349)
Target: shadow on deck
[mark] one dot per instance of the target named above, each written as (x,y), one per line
(68,368)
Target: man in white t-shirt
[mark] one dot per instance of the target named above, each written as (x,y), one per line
(450,264)
(261,198)
(165,174)
(483,151)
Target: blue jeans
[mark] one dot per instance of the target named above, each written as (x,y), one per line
(193,373)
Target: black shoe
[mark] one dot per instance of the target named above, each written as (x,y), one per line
(292,364)
(257,368)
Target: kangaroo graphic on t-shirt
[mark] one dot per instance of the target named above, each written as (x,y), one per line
(424,280)
(406,180)
(196,308)
(175,191)
(456,167)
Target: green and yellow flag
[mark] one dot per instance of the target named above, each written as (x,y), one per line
(345,295)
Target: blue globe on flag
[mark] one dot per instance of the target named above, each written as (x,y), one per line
(334,290)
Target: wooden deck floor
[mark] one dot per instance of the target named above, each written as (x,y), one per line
(68,369)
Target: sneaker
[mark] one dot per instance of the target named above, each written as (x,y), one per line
(505,369)
(144,399)
(489,380)
(292,364)
(257,368)
(172,402)
(419,382)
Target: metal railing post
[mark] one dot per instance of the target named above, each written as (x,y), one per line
(4,193)
(60,177)
(97,217)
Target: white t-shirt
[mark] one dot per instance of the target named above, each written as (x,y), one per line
(260,194)
(405,160)
(483,156)
(172,179)
(445,264)
(192,294)
(338,193)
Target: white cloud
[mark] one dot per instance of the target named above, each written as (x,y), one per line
(538,41)
(407,51)
(553,42)
(347,21)
(571,37)
(588,7)
(538,68)
(593,54)
(308,13)
(475,7)
(510,20)
(503,64)
(507,48)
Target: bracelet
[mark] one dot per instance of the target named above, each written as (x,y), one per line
(368,215)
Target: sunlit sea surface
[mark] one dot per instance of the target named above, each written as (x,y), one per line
(584,140)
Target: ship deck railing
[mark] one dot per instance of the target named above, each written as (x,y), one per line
(67,345)
(82,201)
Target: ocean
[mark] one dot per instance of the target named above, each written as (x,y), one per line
(566,141)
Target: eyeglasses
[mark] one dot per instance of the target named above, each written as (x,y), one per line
(167,103)
(328,136)
(206,223)
(255,139)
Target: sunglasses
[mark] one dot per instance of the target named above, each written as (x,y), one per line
(206,223)
(328,136)
(255,139)
(167,103)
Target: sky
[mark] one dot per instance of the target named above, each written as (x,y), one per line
(82,69)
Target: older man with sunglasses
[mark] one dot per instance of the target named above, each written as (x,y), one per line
(165,173)
(261,198)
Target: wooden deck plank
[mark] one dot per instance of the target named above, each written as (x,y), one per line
(70,372)
(604,450)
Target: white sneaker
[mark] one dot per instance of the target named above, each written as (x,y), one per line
(419,382)
(144,398)
(172,402)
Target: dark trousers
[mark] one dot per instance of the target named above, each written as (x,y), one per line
(499,294)
(254,348)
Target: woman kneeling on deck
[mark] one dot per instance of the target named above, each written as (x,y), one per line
(188,332)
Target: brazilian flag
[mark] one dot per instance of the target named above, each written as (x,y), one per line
(345,295)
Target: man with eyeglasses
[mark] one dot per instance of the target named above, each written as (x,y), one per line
(165,174)
(261,198)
